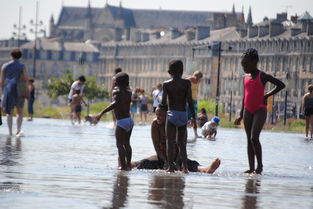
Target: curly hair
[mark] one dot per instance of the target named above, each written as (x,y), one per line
(251,54)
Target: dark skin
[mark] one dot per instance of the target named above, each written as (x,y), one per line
(254,122)
(158,134)
(177,92)
(121,97)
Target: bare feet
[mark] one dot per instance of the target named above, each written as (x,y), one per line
(215,164)
(185,171)
(259,170)
(249,171)
(170,170)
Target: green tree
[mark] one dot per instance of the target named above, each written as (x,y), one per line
(61,87)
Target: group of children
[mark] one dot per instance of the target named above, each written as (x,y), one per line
(177,93)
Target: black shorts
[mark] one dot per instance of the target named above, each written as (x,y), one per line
(151,163)
(308,112)
(78,108)
(143,108)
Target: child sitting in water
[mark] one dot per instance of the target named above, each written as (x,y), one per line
(209,129)
(76,106)
(121,98)
(202,117)
(253,110)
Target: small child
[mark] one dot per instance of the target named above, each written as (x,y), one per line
(76,106)
(202,117)
(121,99)
(209,129)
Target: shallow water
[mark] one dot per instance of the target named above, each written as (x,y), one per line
(57,165)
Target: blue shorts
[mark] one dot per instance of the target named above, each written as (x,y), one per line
(177,118)
(126,123)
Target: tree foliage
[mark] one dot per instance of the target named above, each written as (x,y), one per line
(61,87)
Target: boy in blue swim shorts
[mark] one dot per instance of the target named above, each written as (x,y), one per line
(121,98)
(176,94)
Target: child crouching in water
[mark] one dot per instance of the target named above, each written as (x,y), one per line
(121,98)
(254,104)
(209,129)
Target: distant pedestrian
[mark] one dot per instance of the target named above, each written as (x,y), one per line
(195,80)
(13,75)
(157,96)
(307,108)
(77,85)
(134,102)
(143,106)
(31,99)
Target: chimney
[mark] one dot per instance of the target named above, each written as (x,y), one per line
(281,17)
(190,35)
(276,28)
(202,32)
(175,33)
(145,37)
(252,31)
(263,30)
(295,31)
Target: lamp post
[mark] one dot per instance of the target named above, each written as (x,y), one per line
(216,47)
(231,97)
(19,28)
(35,24)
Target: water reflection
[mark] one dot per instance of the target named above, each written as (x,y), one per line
(167,191)
(120,191)
(252,189)
(10,153)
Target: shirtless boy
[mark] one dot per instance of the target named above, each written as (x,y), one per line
(176,93)
(121,98)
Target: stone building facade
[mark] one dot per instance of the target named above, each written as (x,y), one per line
(117,22)
(285,48)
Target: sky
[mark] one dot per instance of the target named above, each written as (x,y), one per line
(9,9)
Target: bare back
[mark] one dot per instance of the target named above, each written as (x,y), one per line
(122,97)
(178,91)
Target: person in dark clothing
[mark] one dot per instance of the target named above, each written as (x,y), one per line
(31,99)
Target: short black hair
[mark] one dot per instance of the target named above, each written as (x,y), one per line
(176,67)
(77,91)
(16,53)
(122,79)
(117,70)
(251,54)
(82,78)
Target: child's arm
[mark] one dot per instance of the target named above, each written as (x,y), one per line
(116,100)
(83,101)
(190,104)
(164,96)
(214,133)
(279,85)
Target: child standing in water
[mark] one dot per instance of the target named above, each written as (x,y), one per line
(253,111)
(121,98)
(178,92)
(76,106)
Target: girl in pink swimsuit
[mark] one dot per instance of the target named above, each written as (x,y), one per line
(253,111)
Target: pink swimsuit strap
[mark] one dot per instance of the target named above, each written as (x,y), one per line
(254,93)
